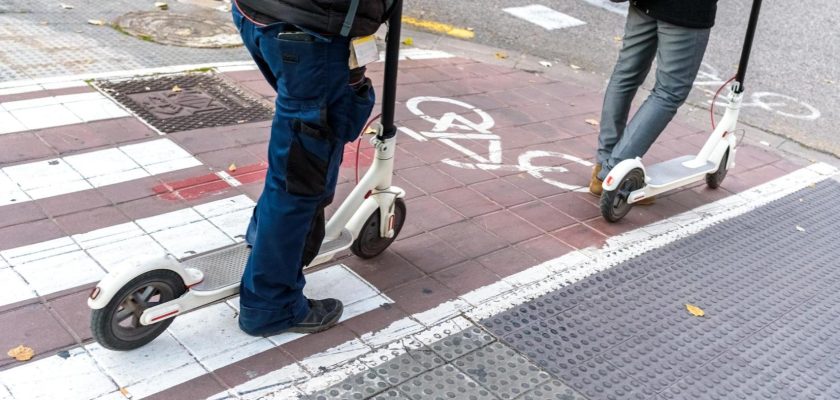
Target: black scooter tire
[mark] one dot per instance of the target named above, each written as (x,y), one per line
(166,286)
(369,244)
(614,204)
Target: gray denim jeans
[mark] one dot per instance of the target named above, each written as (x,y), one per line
(679,53)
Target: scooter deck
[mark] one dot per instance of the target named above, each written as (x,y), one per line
(223,268)
(668,172)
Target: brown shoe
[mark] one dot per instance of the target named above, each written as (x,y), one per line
(595,184)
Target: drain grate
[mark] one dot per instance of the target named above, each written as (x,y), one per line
(176,103)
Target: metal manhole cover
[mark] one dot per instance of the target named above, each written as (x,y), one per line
(202,29)
(177,103)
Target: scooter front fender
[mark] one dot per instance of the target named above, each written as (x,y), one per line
(108,287)
(620,171)
(381,201)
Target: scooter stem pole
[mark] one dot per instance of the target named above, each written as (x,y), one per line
(392,61)
(748,42)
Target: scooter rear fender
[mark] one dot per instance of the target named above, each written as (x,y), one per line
(618,173)
(108,287)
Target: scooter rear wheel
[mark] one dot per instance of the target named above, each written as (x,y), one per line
(370,243)
(714,179)
(614,205)
(117,326)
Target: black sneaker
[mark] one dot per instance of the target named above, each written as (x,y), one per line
(323,315)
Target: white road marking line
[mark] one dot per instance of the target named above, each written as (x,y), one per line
(545,17)
(530,284)
(618,8)
(410,132)
(165,362)
(34,85)
(415,53)
(50,112)
(233,182)
(69,262)
(41,179)
(191,348)
(48,378)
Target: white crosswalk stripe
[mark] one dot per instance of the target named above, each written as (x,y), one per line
(545,17)
(71,261)
(49,112)
(48,178)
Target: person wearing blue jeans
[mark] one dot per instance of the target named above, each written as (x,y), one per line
(321,105)
(675,33)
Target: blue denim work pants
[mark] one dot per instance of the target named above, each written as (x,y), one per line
(317,113)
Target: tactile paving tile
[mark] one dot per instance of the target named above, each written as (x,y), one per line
(461,343)
(390,394)
(357,387)
(444,383)
(501,371)
(768,281)
(727,377)
(597,379)
(408,365)
(553,390)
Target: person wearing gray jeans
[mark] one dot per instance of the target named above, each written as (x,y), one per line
(675,33)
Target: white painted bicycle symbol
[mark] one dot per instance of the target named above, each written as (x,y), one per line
(777,103)
(452,127)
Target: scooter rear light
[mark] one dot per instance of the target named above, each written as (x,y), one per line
(94,293)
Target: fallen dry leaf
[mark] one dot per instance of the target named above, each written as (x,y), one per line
(98,22)
(408,41)
(617,38)
(21,353)
(232,167)
(694,310)
(593,122)
(176,89)
(125,393)
(501,55)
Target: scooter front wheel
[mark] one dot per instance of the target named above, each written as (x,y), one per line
(370,243)
(614,203)
(117,326)
(714,179)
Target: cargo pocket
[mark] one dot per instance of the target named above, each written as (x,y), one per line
(308,162)
(362,100)
(303,58)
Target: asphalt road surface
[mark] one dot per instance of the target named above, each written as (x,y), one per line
(793,82)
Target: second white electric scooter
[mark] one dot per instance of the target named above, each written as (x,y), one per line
(630,181)
(132,306)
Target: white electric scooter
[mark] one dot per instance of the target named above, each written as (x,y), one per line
(630,181)
(133,306)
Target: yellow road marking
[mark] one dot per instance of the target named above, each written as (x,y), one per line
(439,27)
